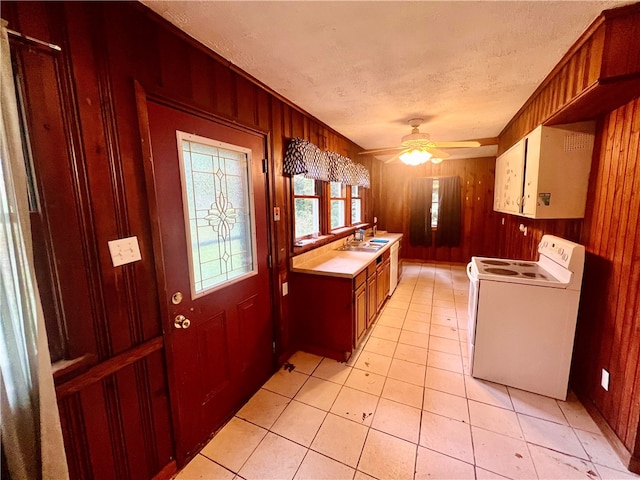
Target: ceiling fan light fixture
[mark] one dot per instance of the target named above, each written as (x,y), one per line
(415,157)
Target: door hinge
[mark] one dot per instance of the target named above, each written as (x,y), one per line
(274,346)
(270,261)
(265,165)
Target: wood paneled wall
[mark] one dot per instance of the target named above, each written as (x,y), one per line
(597,79)
(480,224)
(609,323)
(116,416)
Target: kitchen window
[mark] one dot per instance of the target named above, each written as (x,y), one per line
(306,206)
(337,205)
(325,189)
(320,208)
(356,205)
(435,205)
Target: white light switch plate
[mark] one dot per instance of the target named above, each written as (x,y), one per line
(604,381)
(124,250)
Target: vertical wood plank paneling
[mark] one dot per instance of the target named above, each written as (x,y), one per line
(618,58)
(136,435)
(123,300)
(287,129)
(611,238)
(628,206)
(297,124)
(159,397)
(596,53)
(176,70)
(98,171)
(247,105)
(75,438)
(263,103)
(224,90)
(281,183)
(105,463)
(201,80)
(144,306)
(582,66)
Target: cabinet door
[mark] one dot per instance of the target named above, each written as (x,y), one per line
(509,179)
(360,301)
(387,277)
(372,304)
(383,287)
(499,184)
(530,182)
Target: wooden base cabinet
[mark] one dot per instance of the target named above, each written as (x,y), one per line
(332,314)
(361,317)
(383,274)
(372,293)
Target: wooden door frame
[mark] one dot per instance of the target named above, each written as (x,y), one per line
(141,98)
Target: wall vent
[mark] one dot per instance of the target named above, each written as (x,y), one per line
(578,141)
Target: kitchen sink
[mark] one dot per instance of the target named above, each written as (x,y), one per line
(359,247)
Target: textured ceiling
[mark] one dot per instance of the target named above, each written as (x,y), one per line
(366,67)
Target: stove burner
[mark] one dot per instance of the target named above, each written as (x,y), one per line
(495,262)
(500,271)
(534,275)
(525,264)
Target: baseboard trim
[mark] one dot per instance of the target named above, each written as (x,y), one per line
(631,462)
(168,471)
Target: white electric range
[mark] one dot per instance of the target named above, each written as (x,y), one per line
(522,317)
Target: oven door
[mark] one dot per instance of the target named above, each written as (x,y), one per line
(474,284)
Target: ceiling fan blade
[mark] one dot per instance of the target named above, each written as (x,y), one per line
(382,151)
(396,156)
(476,142)
(437,153)
(466,144)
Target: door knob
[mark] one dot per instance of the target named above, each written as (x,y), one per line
(181,322)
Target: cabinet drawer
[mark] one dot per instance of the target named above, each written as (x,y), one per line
(371,269)
(360,279)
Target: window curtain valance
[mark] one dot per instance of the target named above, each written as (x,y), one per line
(303,157)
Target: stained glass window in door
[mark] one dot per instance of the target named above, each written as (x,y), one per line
(218,210)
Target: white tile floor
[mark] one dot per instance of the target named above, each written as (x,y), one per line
(404,408)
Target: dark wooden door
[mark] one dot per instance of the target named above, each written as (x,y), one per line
(214,267)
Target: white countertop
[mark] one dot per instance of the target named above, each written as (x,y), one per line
(345,264)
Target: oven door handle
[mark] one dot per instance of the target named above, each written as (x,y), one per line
(470,274)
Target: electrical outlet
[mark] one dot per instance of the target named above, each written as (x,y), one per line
(604,381)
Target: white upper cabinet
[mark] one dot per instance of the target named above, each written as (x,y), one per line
(509,178)
(546,174)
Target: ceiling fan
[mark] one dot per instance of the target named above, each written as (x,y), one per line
(417,148)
